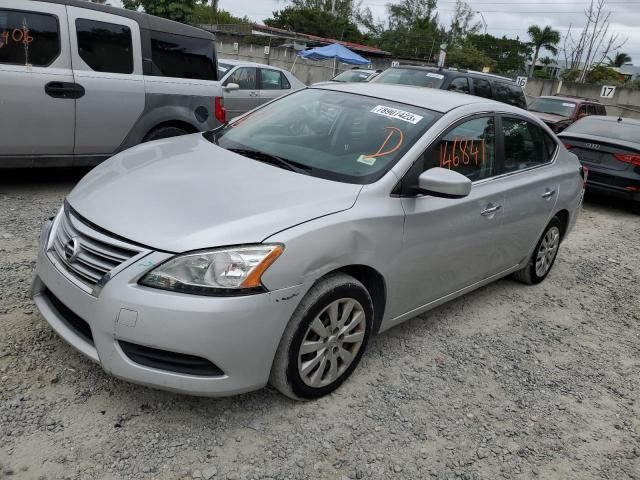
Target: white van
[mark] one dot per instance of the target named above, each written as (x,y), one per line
(82,81)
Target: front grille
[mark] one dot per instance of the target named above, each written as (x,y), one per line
(170,361)
(86,254)
(73,321)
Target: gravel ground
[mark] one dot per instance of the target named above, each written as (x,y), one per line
(507,382)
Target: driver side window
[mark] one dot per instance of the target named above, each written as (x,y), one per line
(245,77)
(468,148)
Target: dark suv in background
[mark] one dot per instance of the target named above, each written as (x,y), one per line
(560,111)
(479,84)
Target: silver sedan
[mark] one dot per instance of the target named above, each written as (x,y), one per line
(273,248)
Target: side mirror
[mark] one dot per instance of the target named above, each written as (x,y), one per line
(230,87)
(442,182)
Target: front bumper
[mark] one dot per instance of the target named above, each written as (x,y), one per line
(239,335)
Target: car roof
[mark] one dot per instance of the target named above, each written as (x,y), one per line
(569,99)
(149,22)
(455,71)
(430,98)
(235,63)
(612,119)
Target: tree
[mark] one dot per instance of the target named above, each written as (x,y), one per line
(604,76)
(205,14)
(469,56)
(619,60)
(178,10)
(462,23)
(508,54)
(542,38)
(315,22)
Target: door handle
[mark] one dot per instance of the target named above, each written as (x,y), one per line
(253,94)
(490,210)
(548,193)
(64,90)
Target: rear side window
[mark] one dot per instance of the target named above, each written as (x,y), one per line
(410,76)
(178,56)
(482,88)
(105,47)
(28,38)
(468,148)
(525,145)
(459,84)
(273,80)
(511,94)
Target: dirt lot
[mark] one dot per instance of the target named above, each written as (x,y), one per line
(507,382)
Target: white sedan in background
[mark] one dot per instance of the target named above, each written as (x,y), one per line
(248,85)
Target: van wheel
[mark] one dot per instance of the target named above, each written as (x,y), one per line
(325,338)
(543,256)
(164,132)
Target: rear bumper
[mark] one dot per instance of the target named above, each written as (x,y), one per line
(239,335)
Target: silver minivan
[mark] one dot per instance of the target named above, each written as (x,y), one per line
(82,81)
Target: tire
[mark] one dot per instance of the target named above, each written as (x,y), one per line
(635,208)
(304,376)
(164,132)
(533,273)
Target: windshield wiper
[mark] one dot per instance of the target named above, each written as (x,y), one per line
(271,159)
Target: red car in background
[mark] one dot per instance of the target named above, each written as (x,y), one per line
(561,111)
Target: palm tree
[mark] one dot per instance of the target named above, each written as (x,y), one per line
(547,38)
(619,60)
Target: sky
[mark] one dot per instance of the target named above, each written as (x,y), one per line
(503,17)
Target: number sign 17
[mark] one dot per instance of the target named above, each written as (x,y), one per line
(607,91)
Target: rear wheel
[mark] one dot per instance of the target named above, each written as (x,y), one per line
(164,132)
(325,338)
(544,255)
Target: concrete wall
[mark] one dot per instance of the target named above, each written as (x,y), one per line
(307,71)
(625,102)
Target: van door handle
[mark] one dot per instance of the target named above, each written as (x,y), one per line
(64,90)
(548,193)
(490,210)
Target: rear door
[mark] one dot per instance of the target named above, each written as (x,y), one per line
(107,63)
(273,83)
(482,88)
(247,97)
(35,117)
(531,185)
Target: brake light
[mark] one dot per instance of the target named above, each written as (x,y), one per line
(568,146)
(220,112)
(631,158)
(584,171)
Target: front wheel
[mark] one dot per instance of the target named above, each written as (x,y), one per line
(325,338)
(544,255)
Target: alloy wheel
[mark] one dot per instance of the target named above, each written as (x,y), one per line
(547,251)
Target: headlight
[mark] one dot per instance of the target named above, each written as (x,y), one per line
(225,271)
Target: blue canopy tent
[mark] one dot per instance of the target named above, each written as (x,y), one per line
(336,52)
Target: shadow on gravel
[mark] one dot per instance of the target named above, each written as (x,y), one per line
(38,176)
(604,202)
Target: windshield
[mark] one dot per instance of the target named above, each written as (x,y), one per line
(352,76)
(592,125)
(334,135)
(410,76)
(223,68)
(552,106)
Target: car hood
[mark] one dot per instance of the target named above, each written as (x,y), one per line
(186,193)
(550,117)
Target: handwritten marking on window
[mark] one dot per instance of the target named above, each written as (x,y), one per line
(461,152)
(16,35)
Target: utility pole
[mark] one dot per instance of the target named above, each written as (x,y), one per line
(333,7)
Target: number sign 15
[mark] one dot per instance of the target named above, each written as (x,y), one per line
(607,91)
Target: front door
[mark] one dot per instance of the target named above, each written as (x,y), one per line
(531,187)
(273,84)
(449,244)
(35,117)
(247,97)
(107,63)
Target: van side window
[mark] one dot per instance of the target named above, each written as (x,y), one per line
(459,84)
(511,94)
(525,145)
(28,38)
(482,88)
(468,148)
(105,47)
(179,56)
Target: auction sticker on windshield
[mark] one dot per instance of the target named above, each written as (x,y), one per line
(435,75)
(396,114)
